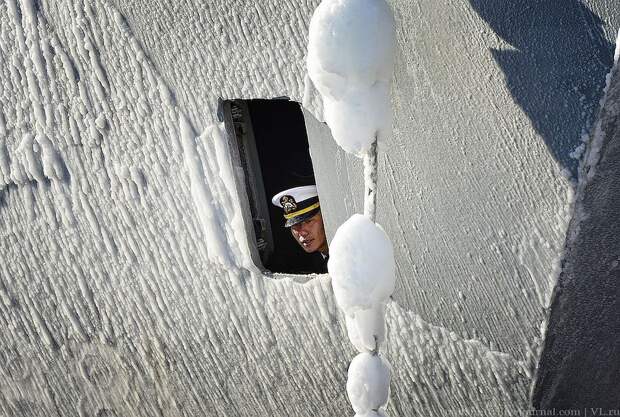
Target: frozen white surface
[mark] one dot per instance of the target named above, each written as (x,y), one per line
(351,61)
(366,327)
(368,383)
(372,414)
(114,296)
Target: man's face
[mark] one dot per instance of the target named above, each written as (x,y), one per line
(310,234)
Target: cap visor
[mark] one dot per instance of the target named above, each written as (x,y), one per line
(303,217)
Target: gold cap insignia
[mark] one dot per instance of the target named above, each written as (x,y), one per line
(288,204)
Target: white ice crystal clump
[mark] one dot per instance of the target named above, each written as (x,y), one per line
(368,383)
(362,269)
(350,61)
(361,264)
(379,413)
(366,328)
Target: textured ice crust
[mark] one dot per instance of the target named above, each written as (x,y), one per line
(350,61)
(368,383)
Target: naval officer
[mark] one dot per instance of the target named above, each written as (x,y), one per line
(302,213)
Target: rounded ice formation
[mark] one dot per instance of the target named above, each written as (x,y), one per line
(368,383)
(350,61)
(361,265)
(378,413)
(366,328)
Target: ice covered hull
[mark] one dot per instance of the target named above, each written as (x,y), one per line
(125,287)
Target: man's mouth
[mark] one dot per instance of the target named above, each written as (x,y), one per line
(306,243)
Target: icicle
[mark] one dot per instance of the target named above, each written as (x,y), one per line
(370,182)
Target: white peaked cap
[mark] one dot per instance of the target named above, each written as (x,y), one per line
(298,193)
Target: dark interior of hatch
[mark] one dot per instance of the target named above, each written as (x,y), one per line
(270,147)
